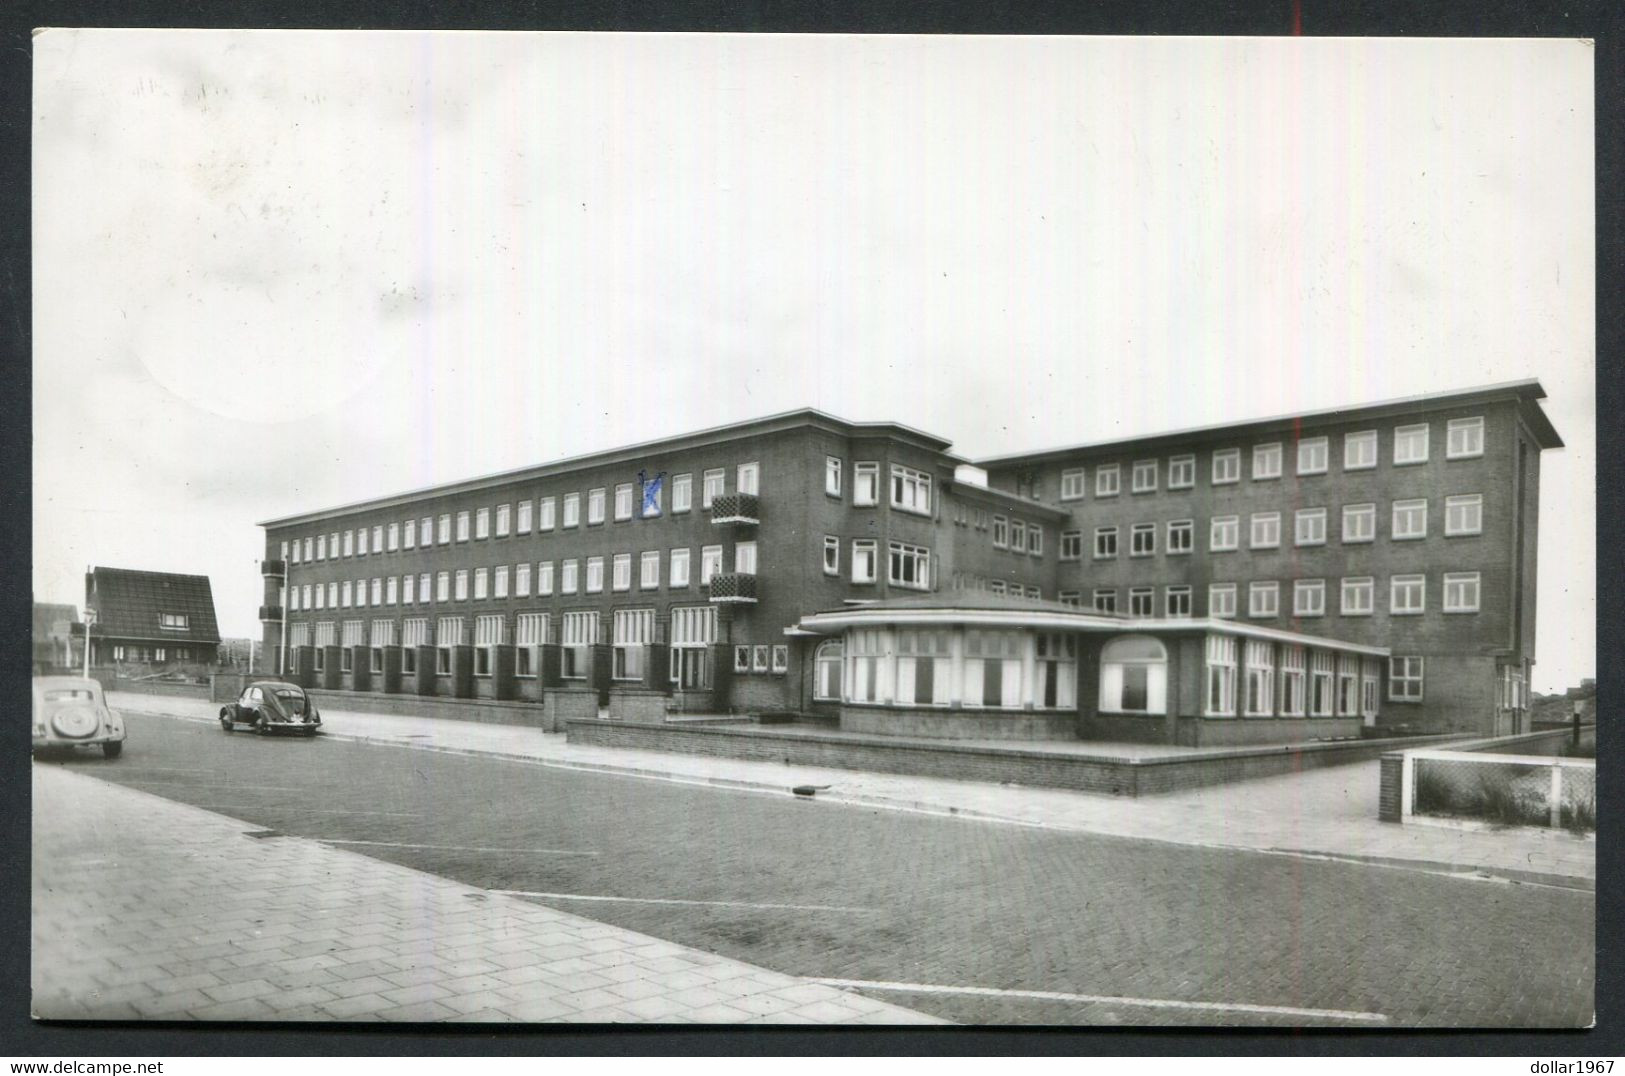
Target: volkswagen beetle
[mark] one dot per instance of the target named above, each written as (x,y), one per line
(70,711)
(268,706)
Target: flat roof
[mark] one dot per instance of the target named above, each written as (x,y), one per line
(754,427)
(1526,391)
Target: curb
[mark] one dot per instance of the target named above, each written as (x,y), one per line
(1460,871)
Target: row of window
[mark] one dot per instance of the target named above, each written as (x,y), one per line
(910,489)
(1464,516)
(1312,683)
(1407,596)
(643,498)
(907,566)
(157,653)
(1464,439)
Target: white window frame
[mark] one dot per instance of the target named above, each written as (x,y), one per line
(866,483)
(1407,585)
(1143,476)
(522,518)
(546,514)
(1402,674)
(1108,605)
(1463,592)
(1267,461)
(620,579)
(482,523)
(521,579)
(677,576)
(1142,602)
(1314,455)
(745,558)
(596,505)
(569,576)
(623,501)
(1411,444)
(1001,532)
(748,478)
(910,490)
(904,561)
(1181,472)
(1358,596)
(1309,526)
(1226,467)
(865,550)
(1221,609)
(649,569)
(1359,523)
(1463,515)
(1264,531)
(832,555)
(1224,534)
(710,563)
(714,484)
(682,493)
(1169,594)
(462,525)
(1257,607)
(1105,543)
(1470,445)
(544,578)
(1360,450)
(482,584)
(571,510)
(461,585)
(1071,545)
(1414,513)
(594,582)
(832,476)
(1309,597)
(1074,483)
(1108,480)
(1142,540)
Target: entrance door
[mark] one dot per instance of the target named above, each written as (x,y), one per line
(691,668)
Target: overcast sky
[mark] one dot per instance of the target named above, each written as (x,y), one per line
(276,272)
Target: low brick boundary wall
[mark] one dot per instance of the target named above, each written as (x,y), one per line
(146,687)
(483,711)
(1390,807)
(1012,765)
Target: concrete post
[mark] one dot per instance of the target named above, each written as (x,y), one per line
(361,668)
(426,671)
(332,667)
(391,682)
(462,671)
(305,656)
(503,683)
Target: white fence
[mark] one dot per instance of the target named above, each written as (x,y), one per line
(1528,790)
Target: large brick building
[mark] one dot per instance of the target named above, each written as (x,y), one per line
(1272,579)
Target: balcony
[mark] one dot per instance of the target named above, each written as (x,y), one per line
(273,567)
(741,508)
(270,612)
(733,587)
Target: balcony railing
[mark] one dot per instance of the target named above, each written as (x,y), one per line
(733,587)
(735,508)
(273,567)
(270,612)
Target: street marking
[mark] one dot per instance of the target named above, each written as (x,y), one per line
(669,900)
(458,847)
(1148,1003)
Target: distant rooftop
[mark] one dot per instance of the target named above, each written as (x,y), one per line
(129,604)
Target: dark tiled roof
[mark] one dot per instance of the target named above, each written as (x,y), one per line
(128,605)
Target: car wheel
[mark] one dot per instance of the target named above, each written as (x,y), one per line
(225,723)
(263,727)
(310,733)
(113,748)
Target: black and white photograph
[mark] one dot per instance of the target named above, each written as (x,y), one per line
(881,530)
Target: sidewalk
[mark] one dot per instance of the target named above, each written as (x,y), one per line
(1324,812)
(149,909)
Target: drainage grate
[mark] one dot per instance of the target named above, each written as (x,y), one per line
(262,834)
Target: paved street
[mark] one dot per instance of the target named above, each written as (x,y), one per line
(970,921)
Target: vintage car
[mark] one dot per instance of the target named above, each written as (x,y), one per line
(268,706)
(70,711)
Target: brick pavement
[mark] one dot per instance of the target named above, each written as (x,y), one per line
(148,909)
(1325,812)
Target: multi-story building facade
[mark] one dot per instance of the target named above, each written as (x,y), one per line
(678,574)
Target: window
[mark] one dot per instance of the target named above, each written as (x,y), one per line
(1266,530)
(693,629)
(827,662)
(332,595)
(349,541)
(1410,520)
(293,556)
(715,480)
(1018,536)
(521,580)
(1141,601)
(633,633)
(1221,675)
(992,669)
(1071,545)
(1177,601)
(649,570)
(863,560)
(1104,600)
(1143,477)
(1221,600)
(745,558)
(569,576)
(173,621)
(409,534)
(1348,685)
(425,531)
(623,501)
(1358,597)
(1001,532)
(1368,690)
(321,547)
(1360,450)
(1309,597)
(530,633)
(1411,444)
(377,590)
(1263,599)
(832,476)
(443,529)
(580,631)
(1105,542)
(710,563)
(1464,438)
(1320,683)
(1073,598)
(1072,484)
(866,483)
(923,668)
(595,506)
(682,493)
(1309,526)
(1463,515)
(909,566)
(544,578)
(487,634)
(462,526)
(595,575)
(1182,472)
(1224,533)
(408,590)
(1181,536)
(832,555)
(522,519)
(1260,678)
(1359,523)
(910,490)
(1266,461)
(1142,540)
(1107,480)
(345,590)
(462,584)
(1407,595)
(1405,679)
(749,476)
(650,497)
(679,568)
(1312,455)
(481,584)
(448,634)
(545,513)
(1226,466)
(394,537)
(1035,539)
(1292,681)
(572,510)
(378,538)
(482,526)
(423,587)
(1461,592)
(758,658)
